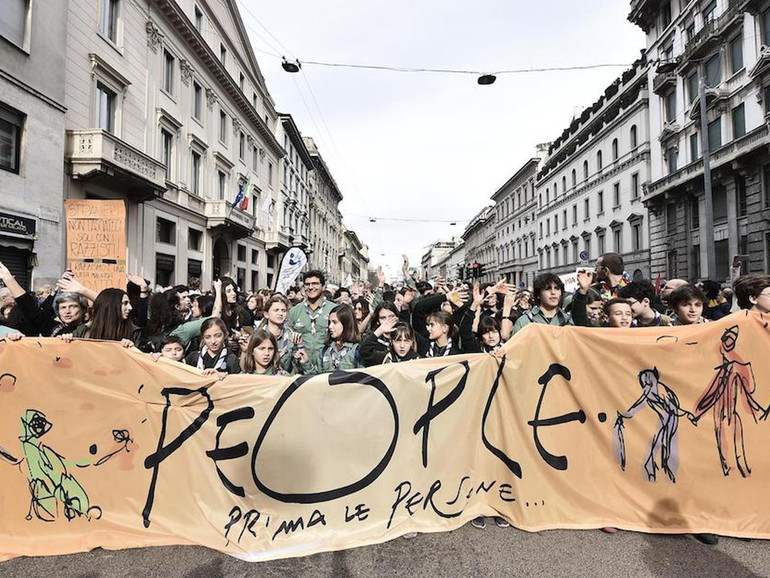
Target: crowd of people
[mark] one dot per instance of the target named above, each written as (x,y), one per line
(312,330)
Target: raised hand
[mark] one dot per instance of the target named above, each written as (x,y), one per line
(585,280)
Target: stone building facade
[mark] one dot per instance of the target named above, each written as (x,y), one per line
(325,219)
(724,45)
(481,244)
(589,189)
(32,115)
(516,226)
(167,110)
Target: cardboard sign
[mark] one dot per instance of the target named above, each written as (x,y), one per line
(654,430)
(96,242)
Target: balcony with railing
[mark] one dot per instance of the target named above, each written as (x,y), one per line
(100,156)
(714,29)
(663,82)
(221,214)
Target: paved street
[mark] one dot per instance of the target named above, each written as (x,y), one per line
(465,552)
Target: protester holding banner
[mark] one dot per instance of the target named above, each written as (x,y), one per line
(261,355)
(111,319)
(548,291)
(310,318)
(687,302)
(214,358)
(288,342)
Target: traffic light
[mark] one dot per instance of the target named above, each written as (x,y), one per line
(480,269)
(461,271)
(475,270)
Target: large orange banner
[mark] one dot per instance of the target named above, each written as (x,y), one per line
(655,430)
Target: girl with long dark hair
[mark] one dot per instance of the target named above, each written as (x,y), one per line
(375,344)
(341,349)
(111,319)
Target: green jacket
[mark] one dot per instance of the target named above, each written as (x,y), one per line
(333,358)
(534,315)
(311,324)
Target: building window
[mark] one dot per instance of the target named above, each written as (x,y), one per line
(739,121)
(165,231)
(198,19)
(11,124)
(671,265)
(541,230)
(168,72)
(555,223)
(694,214)
(740,195)
(164,269)
(599,161)
(710,13)
(242,146)
(241,252)
(615,151)
(692,87)
(766,27)
(564,219)
(671,219)
(574,178)
(665,15)
(108,25)
(254,100)
(600,245)
(587,245)
(669,103)
(197,110)
(222,127)
(195,176)
(585,170)
(720,204)
(221,184)
(563,186)
(766,184)
(636,237)
(13,22)
(194,239)
(617,238)
(671,159)
(574,215)
(587,209)
(736,54)
(166,150)
(575,255)
(254,256)
(694,154)
(599,203)
(635,186)
(713,70)
(105,107)
(270,174)
(616,195)
(223,54)
(241,81)
(634,137)
(695,261)
(715,134)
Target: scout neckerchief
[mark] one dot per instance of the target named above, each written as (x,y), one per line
(221,363)
(313,315)
(435,351)
(338,354)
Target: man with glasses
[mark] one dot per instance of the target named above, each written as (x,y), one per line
(641,295)
(753,292)
(310,318)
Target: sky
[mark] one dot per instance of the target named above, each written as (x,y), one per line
(424,146)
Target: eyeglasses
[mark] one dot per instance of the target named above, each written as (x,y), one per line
(312,284)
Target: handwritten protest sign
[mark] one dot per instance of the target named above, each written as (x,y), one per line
(655,430)
(96,242)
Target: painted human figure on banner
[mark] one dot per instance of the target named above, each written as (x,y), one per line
(663,401)
(732,384)
(50,483)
